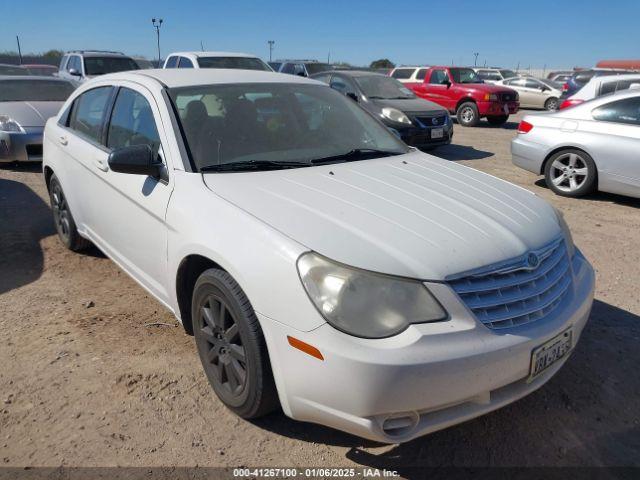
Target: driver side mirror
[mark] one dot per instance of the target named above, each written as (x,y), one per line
(447,82)
(74,72)
(136,160)
(353,96)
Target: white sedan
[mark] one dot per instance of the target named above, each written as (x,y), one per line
(321,264)
(588,147)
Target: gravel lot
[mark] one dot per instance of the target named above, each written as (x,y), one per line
(86,380)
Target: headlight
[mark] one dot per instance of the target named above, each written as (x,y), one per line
(395,115)
(491,97)
(366,304)
(571,248)
(8,124)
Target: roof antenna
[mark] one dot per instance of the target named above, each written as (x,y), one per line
(201,46)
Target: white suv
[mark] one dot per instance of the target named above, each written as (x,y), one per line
(81,65)
(409,74)
(242,61)
(320,262)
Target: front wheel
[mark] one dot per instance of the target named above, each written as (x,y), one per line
(498,121)
(467,114)
(231,345)
(571,173)
(551,104)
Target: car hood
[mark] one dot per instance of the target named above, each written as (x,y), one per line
(411,215)
(413,105)
(30,114)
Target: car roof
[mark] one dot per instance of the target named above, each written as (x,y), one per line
(175,78)
(96,53)
(213,54)
(33,77)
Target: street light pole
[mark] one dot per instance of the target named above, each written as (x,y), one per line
(271,44)
(157,24)
(475,60)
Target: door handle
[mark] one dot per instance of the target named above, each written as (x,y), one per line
(63,140)
(101,164)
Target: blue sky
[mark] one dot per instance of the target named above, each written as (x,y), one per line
(561,33)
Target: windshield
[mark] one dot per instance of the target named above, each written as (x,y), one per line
(35,90)
(313,68)
(241,63)
(464,75)
(550,84)
(102,65)
(508,73)
(277,123)
(378,86)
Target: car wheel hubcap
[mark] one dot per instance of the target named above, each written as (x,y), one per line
(569,172)
(60,211)
(225,355)
(467,114)
(553,105)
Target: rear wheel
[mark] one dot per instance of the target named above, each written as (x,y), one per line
(498,121)
(551,104)
(63,219)
(571,173)
(467,114)
(231,345)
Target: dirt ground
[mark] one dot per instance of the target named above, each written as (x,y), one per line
(85,380)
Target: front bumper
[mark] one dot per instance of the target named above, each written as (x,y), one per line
(427,378)
(497,109)
(528,154)
(423,137)
(21,147)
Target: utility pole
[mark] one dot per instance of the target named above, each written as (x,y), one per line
(475,60)
(271,44)
(19,50)
(329,57)
(157,24)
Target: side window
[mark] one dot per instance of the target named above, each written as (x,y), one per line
(288,68)
(421,74)
(172,62)
(403,73)
(438,77)
(621,111)
(529,83)
(185,63)
(74,62)
(87,115)
(132,122)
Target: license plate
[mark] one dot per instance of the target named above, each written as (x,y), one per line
(437,133)
(546,355)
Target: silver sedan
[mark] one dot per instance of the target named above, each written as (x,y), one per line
(592,146)
(26,103)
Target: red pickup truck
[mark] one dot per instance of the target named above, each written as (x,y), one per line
(462,92)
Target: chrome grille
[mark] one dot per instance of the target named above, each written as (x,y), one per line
(515,293)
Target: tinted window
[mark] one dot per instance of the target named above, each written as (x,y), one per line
(288,68)
(438,77)
(185,63)
(616,86)
(87,116)
(132,122)
(378,86)
(621,111)
(241,63)
(403,73)
(421,74)
(35,90)
(318,67)
(172,62)
(488,75)
(102,65)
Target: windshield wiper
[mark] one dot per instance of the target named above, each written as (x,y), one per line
(252,165)
(354,155)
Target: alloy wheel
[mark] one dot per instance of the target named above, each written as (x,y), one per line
(569,172)
(60,211)
(467,114)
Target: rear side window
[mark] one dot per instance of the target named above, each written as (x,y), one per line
(403,73)
(172,62)
(421,74)
(185,63)
(625,111)
(611,87)
(87,115)
(132,122)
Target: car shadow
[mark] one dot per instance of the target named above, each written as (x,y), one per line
(460,152)
(25,220)
(602,196)
(22,166)
(586,415)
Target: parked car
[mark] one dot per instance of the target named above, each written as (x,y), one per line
(26,102)
(304,68)
(592,146)
(6,69)
(82,65)
(42,70)
(494,75)
(143,63)
(580,78)
(412,293)
(534,92)
(599,86)
(243,61)
(409,74)
(462,93)
(275,66)
(417,122)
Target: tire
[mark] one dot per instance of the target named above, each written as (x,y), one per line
(467,114)
(552,104)
(231,346)
(571,173)
(498,121)
(63,219)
